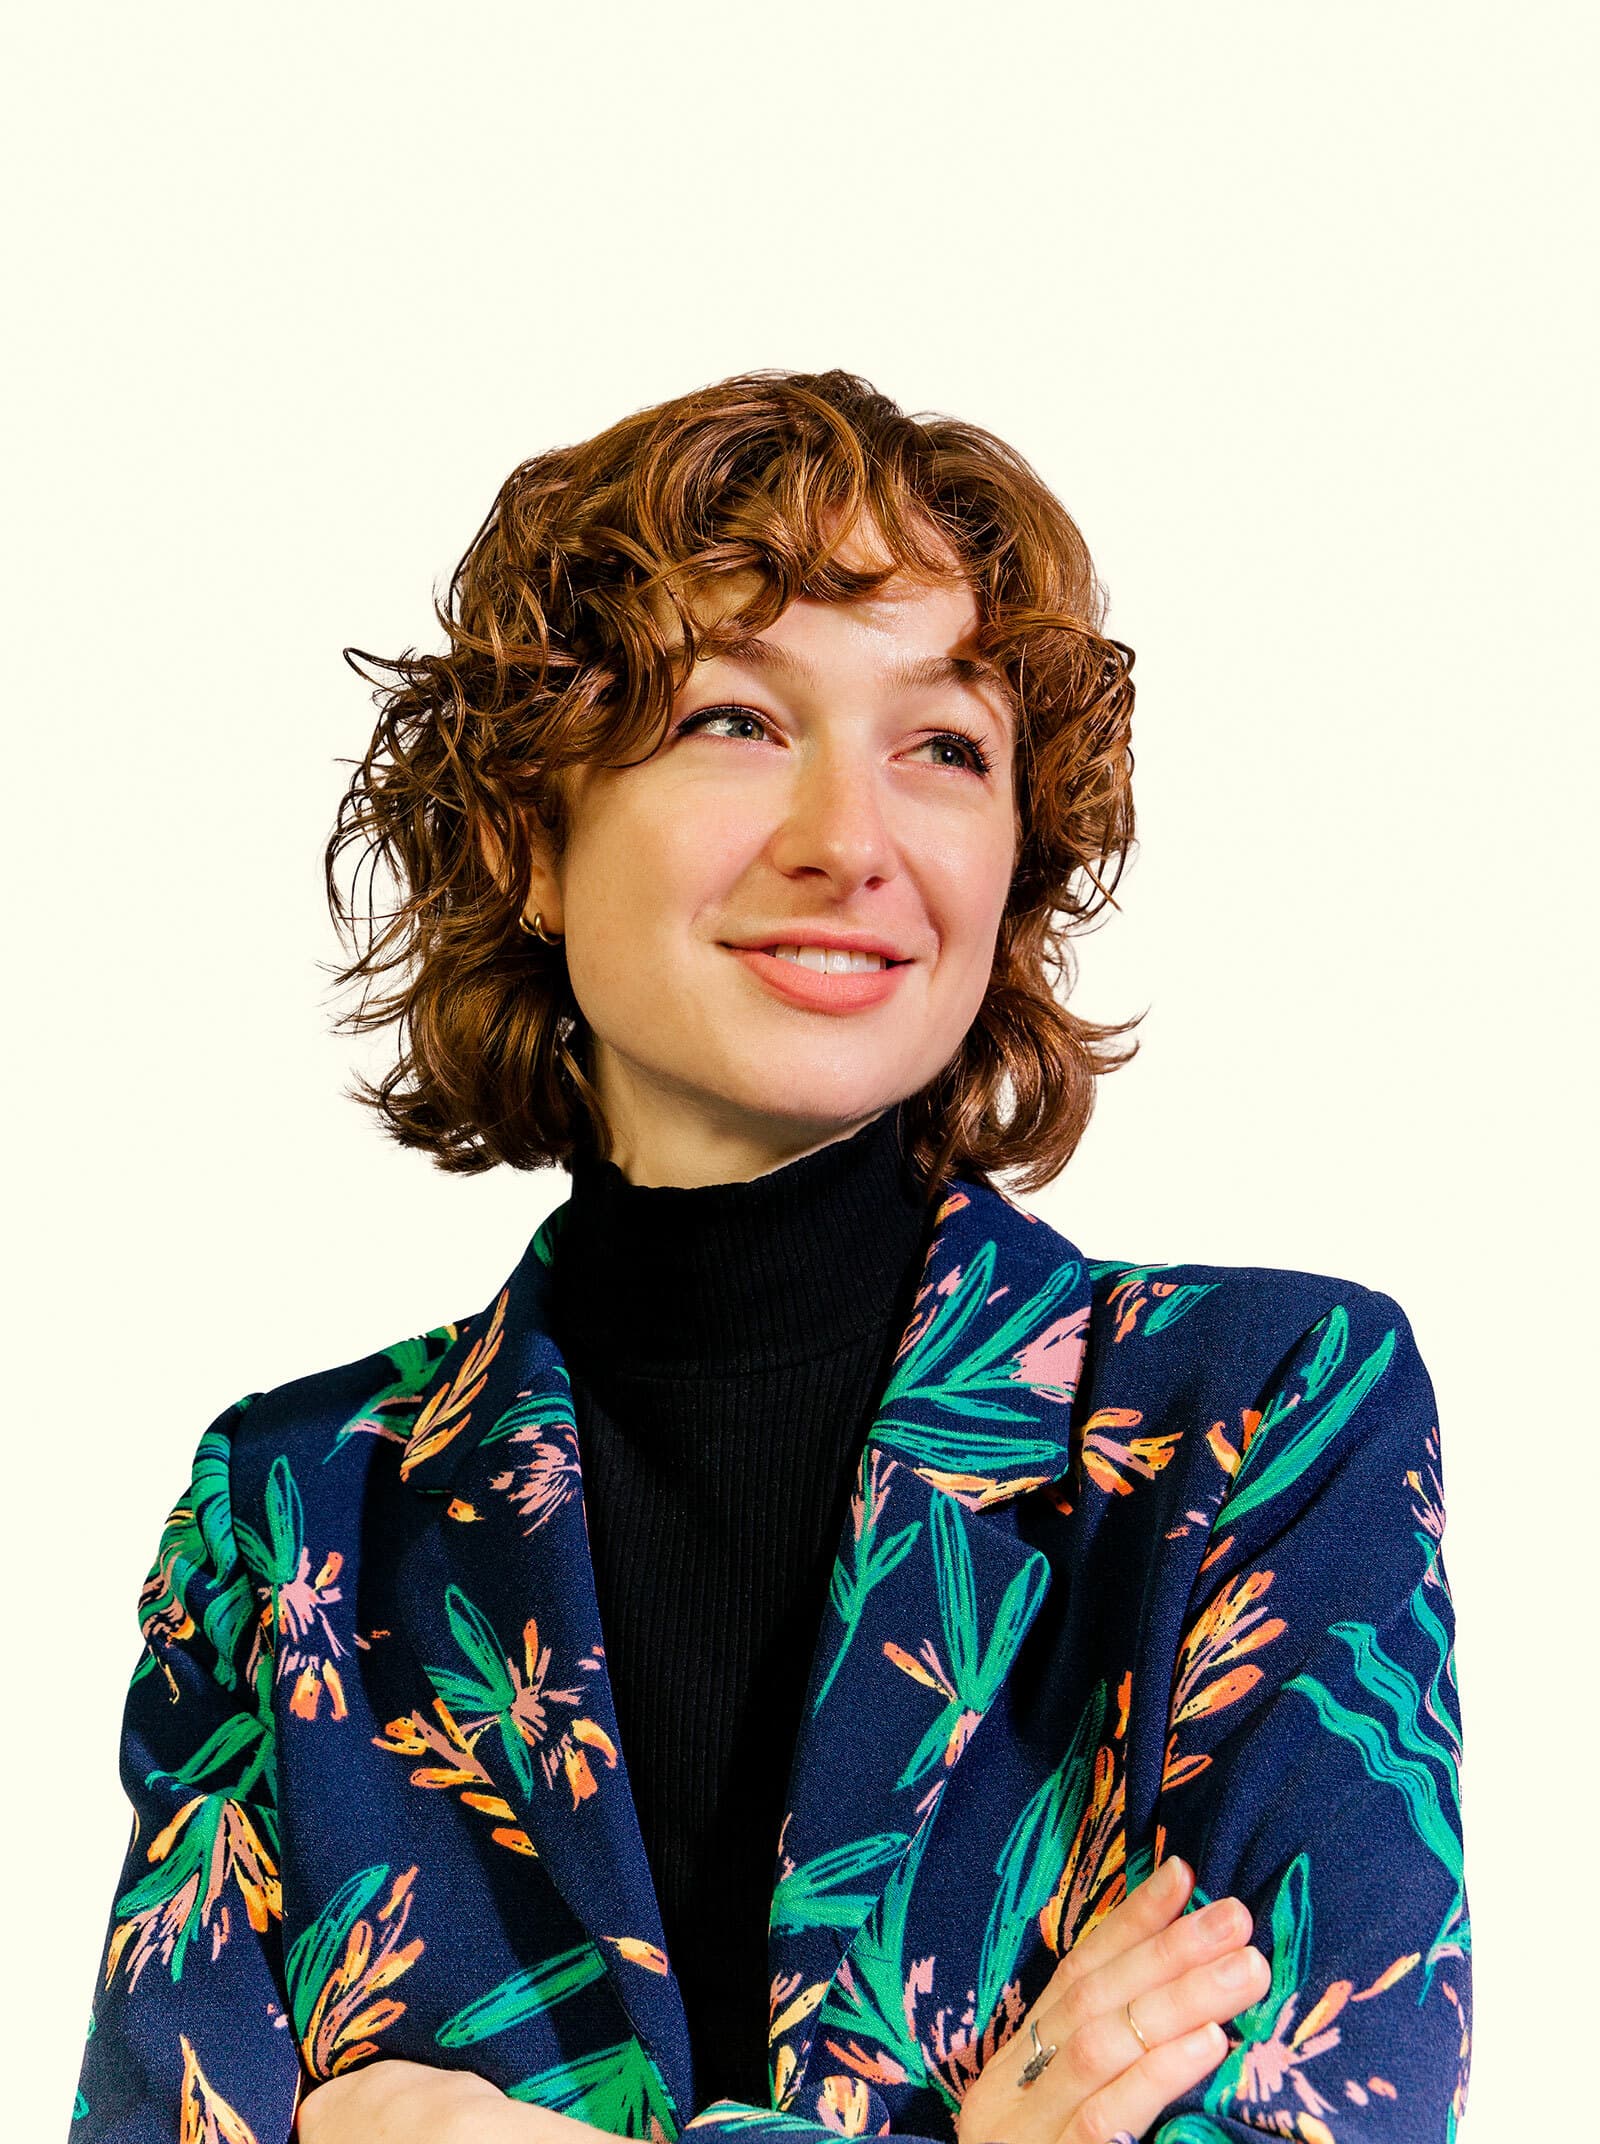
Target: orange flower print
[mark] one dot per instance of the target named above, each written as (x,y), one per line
(544,1475)
(1107,1458)
(1094,1873)
(517,1698)
(1228,1627)
(308,1646)
(844,2104)
(1228,1455)
(340,1969)
(210,1847)
(456,1765)
(1159,1303)
(204,2116)
(449,1409)
(955,2049)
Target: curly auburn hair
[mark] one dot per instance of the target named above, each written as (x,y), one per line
(560,652)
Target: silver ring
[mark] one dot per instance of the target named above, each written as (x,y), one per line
(1038,2062)
(1127,2011)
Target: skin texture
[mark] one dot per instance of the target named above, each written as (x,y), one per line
(830,796)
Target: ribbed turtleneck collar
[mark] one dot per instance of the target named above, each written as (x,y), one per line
(724,1279)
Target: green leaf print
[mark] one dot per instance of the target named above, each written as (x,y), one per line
(241,1748)
(1170,1308)
(197,1552)
(871,1561)
(617,2089)
(1383,1762)
(316,1951)
(492,1692)
(414,1363)
(970,1390)
(1035,1854)
(810,1895)
(975,1681)
(1260,1478)
(874,2004)
(1289,1958)
(1408,1769)
(277,1559)
(524,1995)
(547,1236)
(212,1843)
(537,1410)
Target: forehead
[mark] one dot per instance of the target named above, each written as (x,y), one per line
(909,633)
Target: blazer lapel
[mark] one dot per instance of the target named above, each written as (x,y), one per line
(506,1622)
(933,1592)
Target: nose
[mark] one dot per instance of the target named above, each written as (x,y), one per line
(835,824)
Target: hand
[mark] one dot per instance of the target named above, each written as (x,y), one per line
(392,2102)
(1102,2085)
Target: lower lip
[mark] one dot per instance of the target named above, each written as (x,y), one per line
(820,993)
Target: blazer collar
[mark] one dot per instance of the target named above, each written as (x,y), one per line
(977,1403)
(933,1591)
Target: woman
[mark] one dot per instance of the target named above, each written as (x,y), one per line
(801,1656)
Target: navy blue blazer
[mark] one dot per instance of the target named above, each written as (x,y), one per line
(1140,1560)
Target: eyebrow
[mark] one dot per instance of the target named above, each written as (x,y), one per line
(912,673)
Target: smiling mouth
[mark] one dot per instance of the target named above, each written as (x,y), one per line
(829,960)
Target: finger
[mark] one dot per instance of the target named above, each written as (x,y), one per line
(1131,2103)
(1199,1969)
(1217,1986)
(1145,1910)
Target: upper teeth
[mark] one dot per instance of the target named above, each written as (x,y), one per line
(829,960)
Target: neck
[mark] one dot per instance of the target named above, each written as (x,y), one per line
(723,1278)
(671,1139)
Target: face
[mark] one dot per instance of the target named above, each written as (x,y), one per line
(828,786)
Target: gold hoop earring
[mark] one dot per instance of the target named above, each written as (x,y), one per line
(536,929)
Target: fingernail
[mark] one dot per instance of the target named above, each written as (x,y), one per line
(1221,1915)
(1239,1970)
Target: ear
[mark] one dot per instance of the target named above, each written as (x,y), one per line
(544,891)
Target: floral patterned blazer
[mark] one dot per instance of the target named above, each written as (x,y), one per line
(1140,1560)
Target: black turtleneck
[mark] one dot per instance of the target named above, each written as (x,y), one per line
(727,1345)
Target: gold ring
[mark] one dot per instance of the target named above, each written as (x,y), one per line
(1127,2011)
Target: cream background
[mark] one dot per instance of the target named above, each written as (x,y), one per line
(1294,309)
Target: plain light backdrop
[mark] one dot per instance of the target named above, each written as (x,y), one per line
(1293,307)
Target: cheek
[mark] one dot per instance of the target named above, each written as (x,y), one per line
(643,875)
(967,889)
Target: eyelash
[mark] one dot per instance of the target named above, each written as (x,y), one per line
(982,763)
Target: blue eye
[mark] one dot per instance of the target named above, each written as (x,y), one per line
(717,714)
(977,757)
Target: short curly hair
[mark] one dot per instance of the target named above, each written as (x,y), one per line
(559,654)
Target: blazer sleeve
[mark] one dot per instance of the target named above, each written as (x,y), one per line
(188,2035)
(1312,1765)
(737,2122)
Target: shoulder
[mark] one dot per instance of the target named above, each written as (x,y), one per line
(368,1402)
(1223,1303)
(1246,1328)
(1188,1325)
(1171,1342)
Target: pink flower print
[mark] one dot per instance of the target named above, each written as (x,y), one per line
(312,1646)
(1267,2066)
(543,1477)
(844,2105)
(1052,1361)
